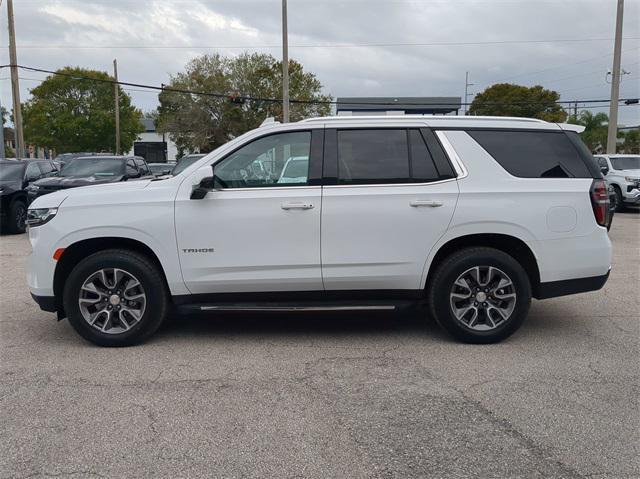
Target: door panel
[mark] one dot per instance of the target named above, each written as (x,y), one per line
(379,236)
(261,241)
(389,205)
(260,231)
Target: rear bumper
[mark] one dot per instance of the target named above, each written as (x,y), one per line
(46,303)
(553,289)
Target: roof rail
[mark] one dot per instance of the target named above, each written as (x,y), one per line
(269,121)
(427,117)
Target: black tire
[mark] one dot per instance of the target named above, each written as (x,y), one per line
(151,280)
(619,201)
(451,268)
(15,222)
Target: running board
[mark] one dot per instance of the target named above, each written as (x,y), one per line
(294,306)
(388,307)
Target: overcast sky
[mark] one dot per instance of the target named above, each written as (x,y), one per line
(153,39)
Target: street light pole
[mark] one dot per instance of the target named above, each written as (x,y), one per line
(466,93)
(285,65)
(15,85)
(612,137)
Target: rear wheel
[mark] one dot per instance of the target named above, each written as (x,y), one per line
(116,298)
(480,295)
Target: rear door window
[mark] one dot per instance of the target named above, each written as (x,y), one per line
(534,154)
(373,156)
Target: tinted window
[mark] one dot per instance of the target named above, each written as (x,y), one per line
(93,167)
(533,154)
(422,166)
(373,156)
(626,163)
(33,172)
(11,171)
(46,168)
(263,161)
(142,166)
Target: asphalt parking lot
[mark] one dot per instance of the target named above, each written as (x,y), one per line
(271,395)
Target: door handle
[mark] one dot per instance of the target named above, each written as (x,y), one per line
(296,206)
(431,203)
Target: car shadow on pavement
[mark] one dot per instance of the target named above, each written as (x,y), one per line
(292,324)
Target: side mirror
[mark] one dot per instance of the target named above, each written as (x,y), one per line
(205,186)
(604,170)
(203,182)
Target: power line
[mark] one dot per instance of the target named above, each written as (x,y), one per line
(272,100)
(319,45)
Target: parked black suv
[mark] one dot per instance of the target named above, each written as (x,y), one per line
(91,170)
(15,177)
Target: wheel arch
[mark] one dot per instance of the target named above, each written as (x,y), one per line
(511,245)
(79,250)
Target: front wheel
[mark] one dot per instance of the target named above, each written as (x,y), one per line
(116,298)
(619,207)
(480,295)
(17,217)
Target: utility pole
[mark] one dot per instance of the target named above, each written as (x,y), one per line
(466,93)
(612,137)
(15,86)
(116,89)
(285,65)
(1,137)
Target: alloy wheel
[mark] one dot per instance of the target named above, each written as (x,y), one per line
(112,300)
(483,298)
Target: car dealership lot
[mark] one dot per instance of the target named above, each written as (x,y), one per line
(327,395)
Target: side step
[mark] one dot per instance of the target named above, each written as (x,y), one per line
(310,306)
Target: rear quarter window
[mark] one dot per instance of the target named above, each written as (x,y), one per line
(535,154)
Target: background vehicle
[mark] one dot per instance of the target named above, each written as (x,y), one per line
(622,172)
(185,162)
(15,177)
(473,216)
(91,170)
(64,158)
(161,169)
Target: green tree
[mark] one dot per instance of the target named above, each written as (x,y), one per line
(631,144)
(505,99)
(8,151)
(202,123)
(72,113)
(595,133)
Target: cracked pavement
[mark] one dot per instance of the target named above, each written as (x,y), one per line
(327,395)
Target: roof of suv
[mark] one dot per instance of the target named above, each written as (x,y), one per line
(447,121)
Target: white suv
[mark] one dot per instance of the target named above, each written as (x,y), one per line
(470,215)
(622,172)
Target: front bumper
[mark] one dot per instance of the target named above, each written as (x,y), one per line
(46,303)
(631,197)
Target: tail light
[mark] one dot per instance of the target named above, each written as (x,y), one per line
(600,201)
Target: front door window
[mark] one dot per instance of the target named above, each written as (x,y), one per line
(275,160)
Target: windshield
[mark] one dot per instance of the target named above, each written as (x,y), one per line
(93,167)
(11,171)
(626,163)
(184,163)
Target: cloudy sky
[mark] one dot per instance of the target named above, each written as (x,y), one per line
(355,47)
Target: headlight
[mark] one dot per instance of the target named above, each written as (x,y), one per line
(631,179)
(40,216)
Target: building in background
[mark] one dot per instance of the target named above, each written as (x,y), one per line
(355,106)
(152,146)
